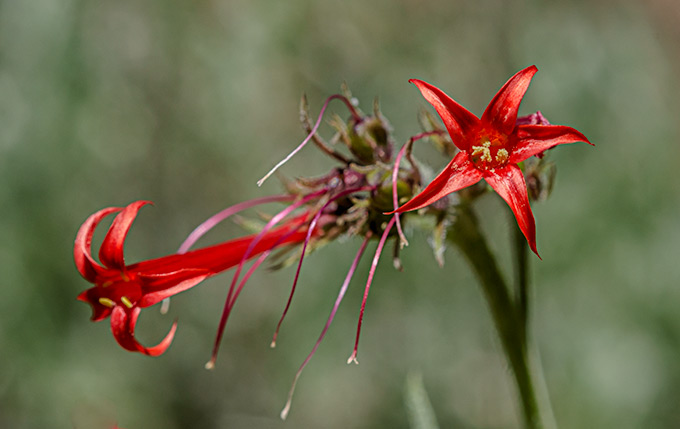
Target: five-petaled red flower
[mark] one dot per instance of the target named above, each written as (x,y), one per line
(491,147)
(121,290)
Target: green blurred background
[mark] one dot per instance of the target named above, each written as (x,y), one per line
(187,103)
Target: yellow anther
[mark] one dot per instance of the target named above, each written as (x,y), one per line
(502,155)
(107,283)
(107,302)
(124,277)
(484,150)
(126,301)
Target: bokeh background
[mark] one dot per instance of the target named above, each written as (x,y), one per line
(188,103)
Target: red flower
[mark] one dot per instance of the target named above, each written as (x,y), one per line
(491,147)
(121,290)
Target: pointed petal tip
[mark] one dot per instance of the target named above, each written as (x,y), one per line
(459,121)
(111,251)
(501,113)
(82,249)
(161,347)
(123,328)
(83,296)
(532,246)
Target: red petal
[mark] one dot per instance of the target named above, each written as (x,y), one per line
(534,139)
(123,328)
(509,183)
(221,256)
(459,174)
(501,112)
(152,298)
(99,311)
(82,251)
(457,119)
(111,252)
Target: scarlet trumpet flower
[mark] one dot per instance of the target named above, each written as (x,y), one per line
(121,290)
(491,147)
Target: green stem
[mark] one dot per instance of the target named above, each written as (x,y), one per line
(521,273)
(466,235)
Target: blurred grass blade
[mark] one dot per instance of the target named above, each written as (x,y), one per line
(418,407)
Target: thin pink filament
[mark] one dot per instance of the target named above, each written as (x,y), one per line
(310,230)
(395,173)
(229,305)
(374,264)
(273,221)
(344,99)
(338,300)
(214,220)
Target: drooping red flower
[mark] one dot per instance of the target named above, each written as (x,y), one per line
(121,290)
(491,147)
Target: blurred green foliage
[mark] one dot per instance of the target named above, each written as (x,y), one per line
(188,103)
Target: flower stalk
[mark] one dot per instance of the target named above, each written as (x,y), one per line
(508,320)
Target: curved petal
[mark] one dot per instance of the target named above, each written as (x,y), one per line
(509,183)
(82,250)
(111,252)
(99,311)
(459,174)
(501,112)
(534,139)
(123,328)
(457,119)
(195,277)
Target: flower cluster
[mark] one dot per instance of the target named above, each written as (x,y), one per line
(360,197)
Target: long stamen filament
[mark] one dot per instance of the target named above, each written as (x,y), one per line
(374,264)
(338,300)
(349,105)
(395,172)
(229,305)
(228,302)
(310,230)
(223,215)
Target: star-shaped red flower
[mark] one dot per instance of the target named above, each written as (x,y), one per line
(491,147)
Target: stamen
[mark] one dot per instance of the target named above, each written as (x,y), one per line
(223,215)
(106,302)
(107,283)
(349,105)
(229,300)
(310,230)
(395,171)
(374,264)
(165,306)
(126,301)
(229,305)
(502,155)
(484,150)
(338,300)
